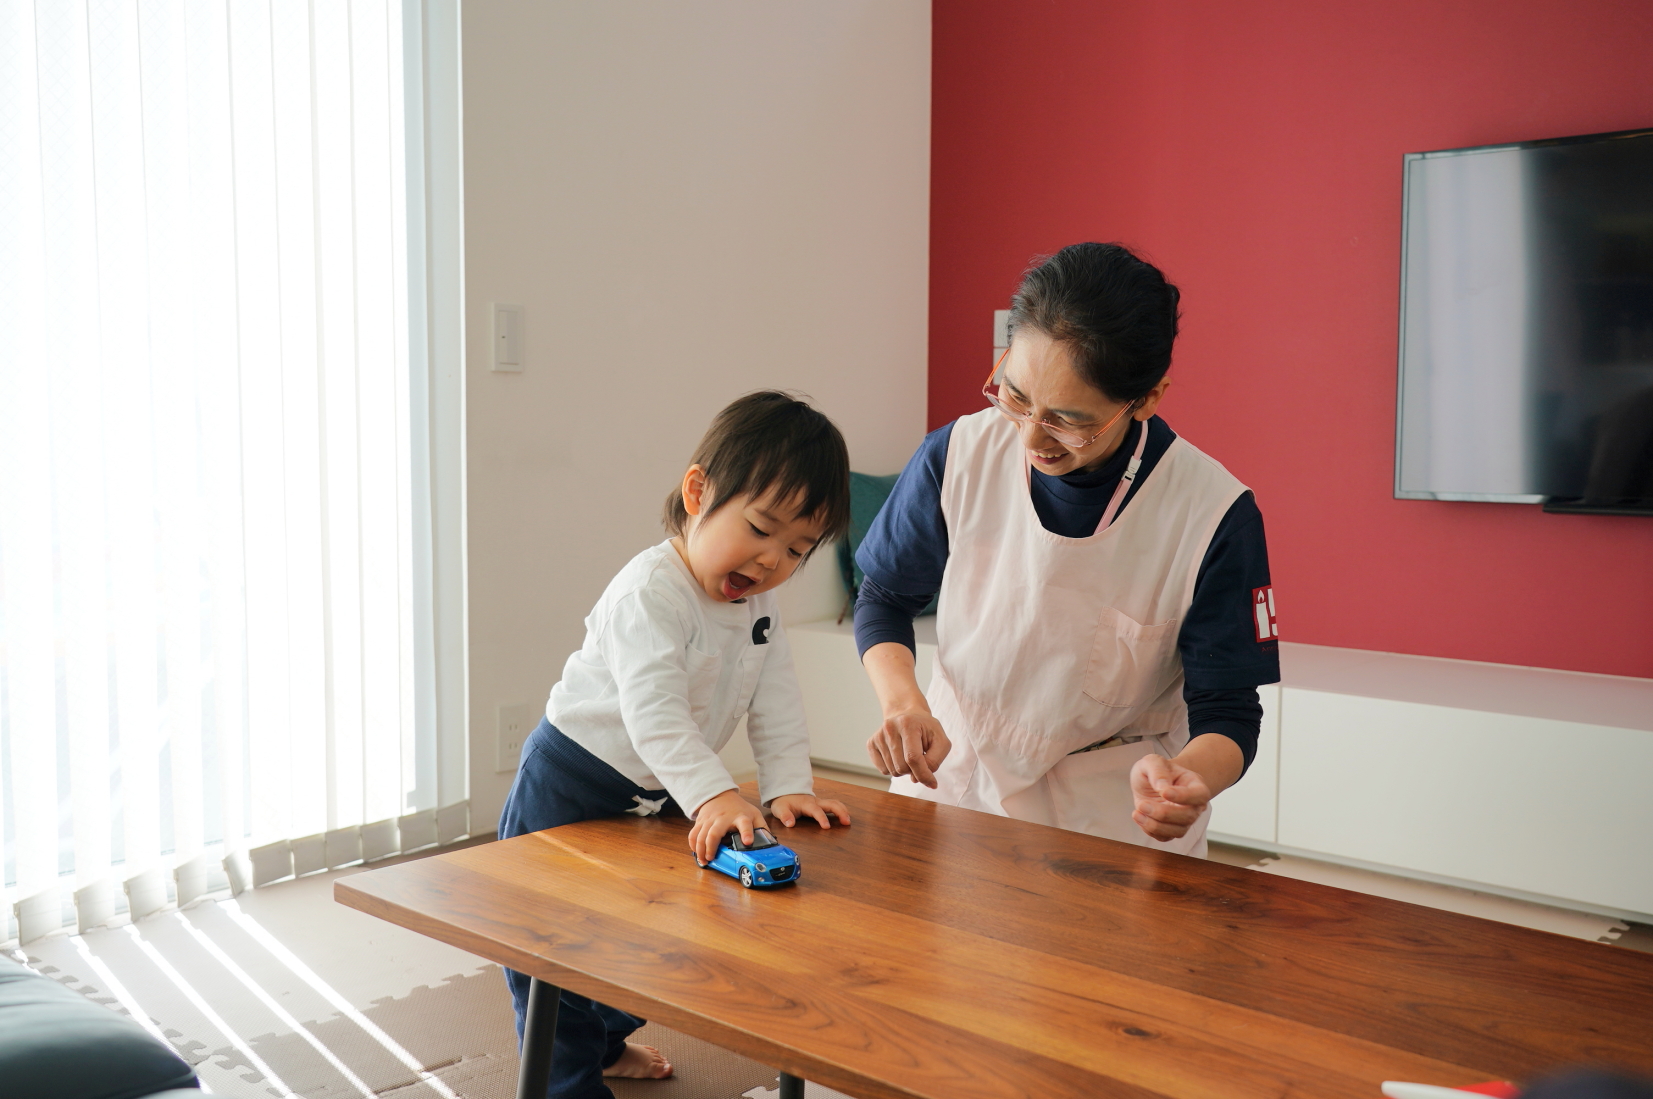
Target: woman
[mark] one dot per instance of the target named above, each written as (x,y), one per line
(1105,614)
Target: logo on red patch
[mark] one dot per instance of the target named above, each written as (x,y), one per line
(1262,608)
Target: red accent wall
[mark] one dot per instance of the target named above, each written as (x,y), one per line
(1253,150)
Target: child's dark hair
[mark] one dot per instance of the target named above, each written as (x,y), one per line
(771,443)
(1114,311)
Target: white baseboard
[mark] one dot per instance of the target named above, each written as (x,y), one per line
(1436,879)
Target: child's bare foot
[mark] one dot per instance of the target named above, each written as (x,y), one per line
(640,1063)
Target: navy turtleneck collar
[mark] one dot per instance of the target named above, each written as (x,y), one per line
(1086,482)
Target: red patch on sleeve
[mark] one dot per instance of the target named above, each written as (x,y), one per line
(1262,613)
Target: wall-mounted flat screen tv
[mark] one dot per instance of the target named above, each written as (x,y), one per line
(1526,341)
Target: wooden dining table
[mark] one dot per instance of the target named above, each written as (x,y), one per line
(943,953)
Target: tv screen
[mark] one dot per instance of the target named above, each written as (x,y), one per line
(1526,343)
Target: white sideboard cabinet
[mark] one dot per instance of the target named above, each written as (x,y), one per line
(1525,781)
(838,699)
(1528,782)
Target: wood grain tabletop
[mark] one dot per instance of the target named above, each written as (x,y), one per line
(943,953)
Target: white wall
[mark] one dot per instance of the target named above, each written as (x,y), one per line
(689,201)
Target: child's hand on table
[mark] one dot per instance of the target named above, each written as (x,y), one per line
(716,817)
(789,807)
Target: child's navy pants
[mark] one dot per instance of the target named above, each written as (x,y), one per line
(559,782)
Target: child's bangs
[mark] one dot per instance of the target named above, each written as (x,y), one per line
(808,483)
(771,446)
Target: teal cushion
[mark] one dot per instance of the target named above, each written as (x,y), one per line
(57,1044)
(866,498)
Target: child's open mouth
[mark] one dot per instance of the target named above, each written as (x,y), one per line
(735,586)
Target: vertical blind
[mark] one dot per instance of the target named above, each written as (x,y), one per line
(215,580)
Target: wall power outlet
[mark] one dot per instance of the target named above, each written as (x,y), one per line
(516,721)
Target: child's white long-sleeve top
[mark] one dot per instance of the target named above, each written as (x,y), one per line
(664,676)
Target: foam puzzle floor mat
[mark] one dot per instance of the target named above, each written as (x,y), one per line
(283,992)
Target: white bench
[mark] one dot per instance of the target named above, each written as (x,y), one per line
(839,701)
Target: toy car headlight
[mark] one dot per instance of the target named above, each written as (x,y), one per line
(762,868)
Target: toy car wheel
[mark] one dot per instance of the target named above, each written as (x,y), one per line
(746,876)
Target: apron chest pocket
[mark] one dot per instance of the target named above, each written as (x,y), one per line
(1130,664)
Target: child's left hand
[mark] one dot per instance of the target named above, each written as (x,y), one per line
(789,807)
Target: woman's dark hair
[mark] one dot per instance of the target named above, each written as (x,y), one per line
(1114,311)
(769,442)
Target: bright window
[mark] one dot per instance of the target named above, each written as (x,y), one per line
(221,562)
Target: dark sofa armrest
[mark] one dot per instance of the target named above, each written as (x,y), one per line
(57,1044)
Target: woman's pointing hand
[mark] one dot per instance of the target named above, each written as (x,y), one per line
(911,743)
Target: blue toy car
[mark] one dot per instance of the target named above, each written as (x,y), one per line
(760,864)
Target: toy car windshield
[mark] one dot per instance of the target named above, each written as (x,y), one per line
(760,839)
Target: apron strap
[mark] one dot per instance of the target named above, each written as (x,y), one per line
(1125,482)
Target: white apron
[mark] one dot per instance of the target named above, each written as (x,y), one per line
(1049,645)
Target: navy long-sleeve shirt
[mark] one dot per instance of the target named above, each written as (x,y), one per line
(905,553)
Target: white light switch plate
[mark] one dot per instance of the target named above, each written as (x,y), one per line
(515,723)
(507,338)
(1001,328)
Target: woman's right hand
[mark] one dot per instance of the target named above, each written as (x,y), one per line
(912,743)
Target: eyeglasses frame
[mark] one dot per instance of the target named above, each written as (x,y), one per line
(1060,434)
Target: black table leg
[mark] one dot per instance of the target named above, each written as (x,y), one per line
(539,1028)
(792,1087)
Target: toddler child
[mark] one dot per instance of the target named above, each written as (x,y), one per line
(684,642)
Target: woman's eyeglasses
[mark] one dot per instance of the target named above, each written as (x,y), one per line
(1000,400)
